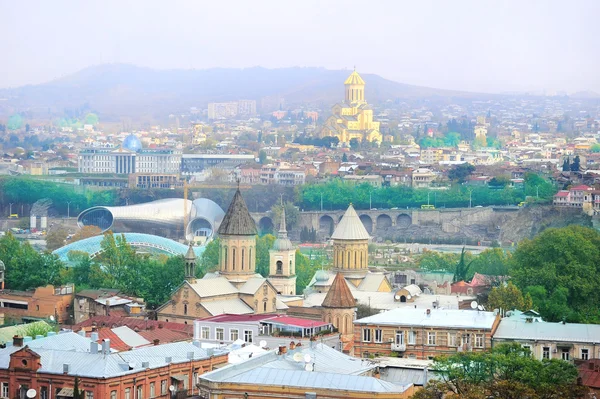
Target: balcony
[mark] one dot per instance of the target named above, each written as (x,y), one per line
(398,347)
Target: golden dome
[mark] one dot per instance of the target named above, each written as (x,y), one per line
(354,79)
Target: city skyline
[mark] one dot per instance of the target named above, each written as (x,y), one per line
(496,47)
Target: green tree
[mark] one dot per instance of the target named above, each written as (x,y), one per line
(460,173)
(595,148)
(452,139)
(575,166)
(91,119)
(263,259)
(566,165)
(491,262)
(305,270)
(344,158)
(560,269)
(77,394)
(508,371)
(354,144)
(15,122)
(56,238)
(507,297)
(437,261)
(262,156)
(462,268)
(209,261)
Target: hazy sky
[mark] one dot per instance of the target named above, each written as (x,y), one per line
(477,45)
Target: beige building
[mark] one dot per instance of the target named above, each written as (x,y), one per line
(236,288)
(422,178)
(566,341)
(424,333)
(282,265)
(339,306)
(353,118)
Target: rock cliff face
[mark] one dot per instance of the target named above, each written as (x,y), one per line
(467,225)
(530,221)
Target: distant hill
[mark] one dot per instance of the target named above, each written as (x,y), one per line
(119,90)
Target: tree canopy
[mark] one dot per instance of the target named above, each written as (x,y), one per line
(507,372)
(560,269)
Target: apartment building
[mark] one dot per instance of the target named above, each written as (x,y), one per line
(50,365)
(40,303)
(424,333)
(566,341)
(123,161)
(422,178)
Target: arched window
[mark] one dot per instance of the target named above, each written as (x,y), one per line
(347,260)
(243,258)
(225,263)
(355,260)
(279,267)
(233,258)
(265,306)
(185,308)
(291,268)
(250,259)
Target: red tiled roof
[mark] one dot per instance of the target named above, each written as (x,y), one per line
(582,187)
(115,341)
(296,322)
(164,335)
(562,194)
(339,295)
(134,324)
(590,378)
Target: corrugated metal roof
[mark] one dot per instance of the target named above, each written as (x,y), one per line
(371,282)
(252,285)
(213,287)
(350,227)
(451,318)
(7,333)
(231,306)
(130,337)
(518,329)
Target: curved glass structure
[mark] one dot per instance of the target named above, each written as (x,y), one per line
(132,143)
(162,218)
(142,242)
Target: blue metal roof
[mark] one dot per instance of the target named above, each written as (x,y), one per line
(146,242)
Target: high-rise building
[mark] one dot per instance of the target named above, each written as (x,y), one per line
(247,107)
(353,118)
(222,110)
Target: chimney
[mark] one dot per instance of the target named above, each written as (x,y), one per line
(428,312)
(156,341)
(51,334)
(591,365)
(81,332)
(190,355)
(299,343)
(160,325)
(197,344)
(66,368)
(292,345)
(168,359)
(38,336)
(94,336)
(17,341)
(93,347)
(145,365)
(282,349)
(27,339)
(108,307)
(106,346)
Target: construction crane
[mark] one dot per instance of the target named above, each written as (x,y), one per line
(187,186)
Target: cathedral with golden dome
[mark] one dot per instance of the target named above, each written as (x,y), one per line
(353,118)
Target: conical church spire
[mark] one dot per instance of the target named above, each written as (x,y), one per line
(282,228)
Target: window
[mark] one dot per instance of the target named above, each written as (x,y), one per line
(466,339)
(279,267)
(248,336)
(128,393)
(152,390)
(451,339)
(431,338)
(44,393)
(243,258)
(378,335)
(585,354)
(265,290)
(412,337)
(5,389)
(219,334)
(546,352)
(564,354)
(264,306)
(479,340)
(528,349)
(234,335)
(205,333)
(399,337)
(185,308)
(163,387)
(366,335)
(89,395)
(140,392)
(233,258)
(113,394)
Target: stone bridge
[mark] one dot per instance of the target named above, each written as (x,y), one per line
(386,222)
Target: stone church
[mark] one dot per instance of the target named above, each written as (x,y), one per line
(235,288)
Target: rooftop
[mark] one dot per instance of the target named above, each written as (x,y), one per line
(448,318)
(569,332)
(339,294)
(350,227)
(237,220)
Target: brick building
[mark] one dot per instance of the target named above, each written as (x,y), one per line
(40,303)
(49,366)
(424,333)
